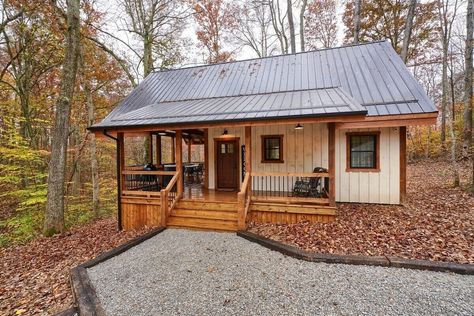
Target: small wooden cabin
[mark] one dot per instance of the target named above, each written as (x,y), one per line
(277,139)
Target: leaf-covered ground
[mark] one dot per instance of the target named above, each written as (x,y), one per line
(436,223)
(34,278)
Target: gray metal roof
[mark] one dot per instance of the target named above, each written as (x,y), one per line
(327,101)
(348,79)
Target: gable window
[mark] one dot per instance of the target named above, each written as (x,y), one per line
(272,148)
(363,151)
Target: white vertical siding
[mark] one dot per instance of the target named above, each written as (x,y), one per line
(370,187)
(306,149)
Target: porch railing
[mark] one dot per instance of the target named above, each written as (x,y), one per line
(145,183)
(169,197)
(243,201)
(291,187)
(161,185)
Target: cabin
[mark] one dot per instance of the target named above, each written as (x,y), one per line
(278,139)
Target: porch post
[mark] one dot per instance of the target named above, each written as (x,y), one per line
(150,148)
(190,142)
(158,149)
(332,163)
(206,158)
(173,147)
(248,148)
(403,164)
(179,161)
(120,178)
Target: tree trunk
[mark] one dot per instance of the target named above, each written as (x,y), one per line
(291,24)
(147,57)
(452,134)
(304,3)
(467,117)
(93,149)
(444,97)
(54,213)
(357,5)
(408,29)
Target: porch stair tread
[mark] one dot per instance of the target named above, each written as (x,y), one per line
(220,215)
(207,205)
(202,223)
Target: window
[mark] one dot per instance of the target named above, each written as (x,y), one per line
(363,151)
(272,148)
(227,148)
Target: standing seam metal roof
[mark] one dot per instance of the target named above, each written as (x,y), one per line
(368,77)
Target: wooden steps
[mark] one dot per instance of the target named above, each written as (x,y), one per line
(208,215)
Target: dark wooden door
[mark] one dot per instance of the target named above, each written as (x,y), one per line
(227,164)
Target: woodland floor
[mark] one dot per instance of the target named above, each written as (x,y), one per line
(436,222)
(34,278)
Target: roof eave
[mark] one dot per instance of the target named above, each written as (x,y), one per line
(362,113)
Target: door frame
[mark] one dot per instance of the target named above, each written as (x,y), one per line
(236,141)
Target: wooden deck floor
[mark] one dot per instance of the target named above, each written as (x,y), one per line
(198,192)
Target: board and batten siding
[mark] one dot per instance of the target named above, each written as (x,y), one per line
(370,187)
(303,150)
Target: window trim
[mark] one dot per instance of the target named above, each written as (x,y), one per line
(377,151)
(263,138)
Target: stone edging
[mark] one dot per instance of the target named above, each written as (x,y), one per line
(83,291)
(385,261)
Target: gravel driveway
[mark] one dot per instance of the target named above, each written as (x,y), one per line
(204,273)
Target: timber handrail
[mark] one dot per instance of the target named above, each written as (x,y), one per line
(291,174)
(145,172)
(169,198)
(243,201)
(290,187)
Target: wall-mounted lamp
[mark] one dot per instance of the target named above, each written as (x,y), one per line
(298,126)
(225,131)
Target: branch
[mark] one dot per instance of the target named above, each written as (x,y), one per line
(10,19)
(120,61)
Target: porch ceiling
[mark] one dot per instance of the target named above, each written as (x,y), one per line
(300,103)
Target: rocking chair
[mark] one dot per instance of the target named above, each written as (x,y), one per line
(311,186)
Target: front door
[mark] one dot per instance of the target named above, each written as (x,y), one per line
(227,164)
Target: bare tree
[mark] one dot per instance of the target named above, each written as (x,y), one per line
(467,130)
(291,25)
(157,24)
(252,26)
(279,25)
(93,151)
(304,4)
(447,13)
(408,30)
(357,6)
(54,214)
(321,24)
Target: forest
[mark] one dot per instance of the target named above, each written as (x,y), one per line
(65,64)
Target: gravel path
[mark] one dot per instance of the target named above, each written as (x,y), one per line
(203,273)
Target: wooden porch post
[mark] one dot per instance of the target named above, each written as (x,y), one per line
(150,148)
(173,147)
(158,149)
(248,148)
(120,178)
(179,161)
(332,163)
(190,142)
(206,158)
(403,164)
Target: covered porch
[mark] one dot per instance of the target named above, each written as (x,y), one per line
(214,177)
